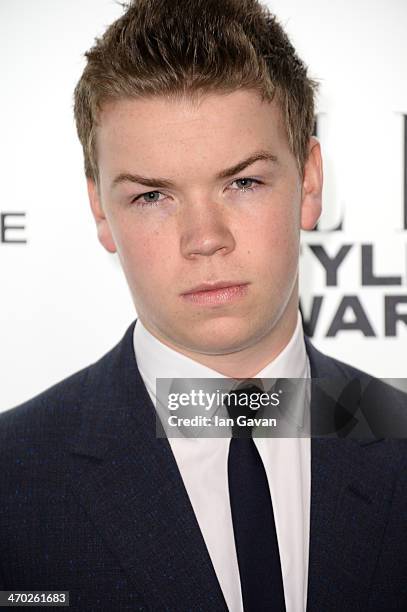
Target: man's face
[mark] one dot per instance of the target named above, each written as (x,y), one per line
(202,226)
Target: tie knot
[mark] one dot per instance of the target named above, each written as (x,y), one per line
(239,406)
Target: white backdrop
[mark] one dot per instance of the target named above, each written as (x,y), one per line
(64,300)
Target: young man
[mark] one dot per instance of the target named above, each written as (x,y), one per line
(196,123)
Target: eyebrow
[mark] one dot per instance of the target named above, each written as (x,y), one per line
(166,183)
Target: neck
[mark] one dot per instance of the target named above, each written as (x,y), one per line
(247,362)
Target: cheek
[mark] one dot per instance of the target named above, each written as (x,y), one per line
(145,258)
(271,251)
(274,232)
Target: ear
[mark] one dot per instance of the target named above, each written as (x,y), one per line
(104,233)
(311,205)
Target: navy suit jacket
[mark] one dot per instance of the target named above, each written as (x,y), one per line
(92,502)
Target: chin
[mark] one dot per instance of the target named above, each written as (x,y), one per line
(221,339)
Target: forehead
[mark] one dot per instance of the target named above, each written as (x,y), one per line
(211,110)
(179,131)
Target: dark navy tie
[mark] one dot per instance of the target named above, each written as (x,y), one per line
(253,520)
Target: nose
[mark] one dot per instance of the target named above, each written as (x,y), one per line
(205,231)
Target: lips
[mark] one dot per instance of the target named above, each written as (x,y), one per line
(216,295)
(210,286)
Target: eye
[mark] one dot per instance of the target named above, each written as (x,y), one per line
(246,184)
(150,199)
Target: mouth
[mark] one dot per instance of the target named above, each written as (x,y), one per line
(218,293)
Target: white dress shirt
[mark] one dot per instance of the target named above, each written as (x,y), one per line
(202,463)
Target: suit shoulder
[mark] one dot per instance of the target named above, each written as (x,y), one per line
(373,386)
(54,410)
(49,409)
(326,366)
(382,404)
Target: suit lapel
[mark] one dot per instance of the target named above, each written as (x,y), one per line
(128,482)
(350,503)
